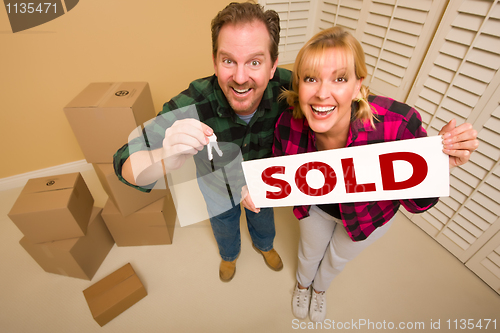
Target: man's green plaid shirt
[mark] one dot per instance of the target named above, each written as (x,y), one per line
(205,100)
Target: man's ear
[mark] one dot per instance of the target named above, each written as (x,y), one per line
(215,65)
(273,69)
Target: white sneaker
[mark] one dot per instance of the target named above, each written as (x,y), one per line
(300,301)
(317,311)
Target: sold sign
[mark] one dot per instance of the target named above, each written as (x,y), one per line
(408,169)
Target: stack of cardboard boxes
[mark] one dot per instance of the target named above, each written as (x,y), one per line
(63,231)
(103,117)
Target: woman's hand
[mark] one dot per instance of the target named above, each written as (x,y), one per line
(459,142)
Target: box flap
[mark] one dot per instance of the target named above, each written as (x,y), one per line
(51,183)
(114,294)
(92,95)
(108,282)
(123,94)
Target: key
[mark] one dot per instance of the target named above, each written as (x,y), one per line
(212,143)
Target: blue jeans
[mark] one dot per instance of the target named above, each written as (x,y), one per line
(225,221)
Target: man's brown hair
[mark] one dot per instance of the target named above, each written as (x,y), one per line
(246,12)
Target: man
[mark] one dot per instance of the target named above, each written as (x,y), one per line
(239,105)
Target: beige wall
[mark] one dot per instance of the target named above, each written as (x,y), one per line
(166,43)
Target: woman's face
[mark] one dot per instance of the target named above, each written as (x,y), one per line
(325,95)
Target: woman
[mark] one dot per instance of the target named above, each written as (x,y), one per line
(332,109)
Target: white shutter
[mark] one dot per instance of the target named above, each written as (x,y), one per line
(460,79)
(460,65)
(395,36)
(345,13)
(296,21)
(391,32)
(486,263)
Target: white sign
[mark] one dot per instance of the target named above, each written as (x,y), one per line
(406,169)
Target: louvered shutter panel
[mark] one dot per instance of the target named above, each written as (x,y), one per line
(486,263)
(296,21)
(460,79)
(395,37)
(345,13)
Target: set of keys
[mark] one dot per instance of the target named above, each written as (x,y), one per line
(212,144)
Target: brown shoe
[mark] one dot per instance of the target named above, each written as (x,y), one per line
(227,270)
(271,258)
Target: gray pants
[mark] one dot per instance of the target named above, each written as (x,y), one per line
(325,248)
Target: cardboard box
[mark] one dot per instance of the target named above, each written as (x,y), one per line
(127,199)
(114,294)
(53,208)
(104,114)
(76,257)
(151,225)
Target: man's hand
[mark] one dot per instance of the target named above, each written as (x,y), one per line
(247,200)
(183,139)
(458,142)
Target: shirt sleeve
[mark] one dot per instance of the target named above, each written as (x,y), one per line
(277,148)
(417,206)
(149,138)
(119,159)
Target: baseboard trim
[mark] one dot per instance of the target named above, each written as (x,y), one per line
(20,180)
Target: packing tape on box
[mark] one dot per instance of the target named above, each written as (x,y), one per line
(113,91)
(108,93)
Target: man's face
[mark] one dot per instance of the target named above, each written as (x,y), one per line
(243,64)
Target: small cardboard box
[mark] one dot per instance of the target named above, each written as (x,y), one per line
(104,114)
(114,294)
(151,225)
(76,257)
(53,208)
(127,199)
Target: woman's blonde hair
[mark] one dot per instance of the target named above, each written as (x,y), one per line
(310,58)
